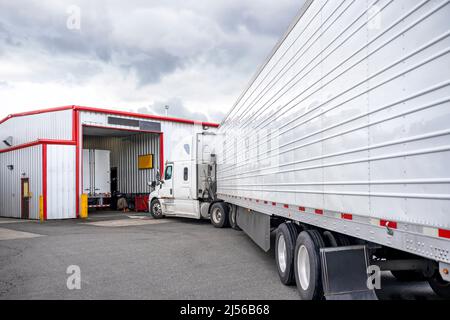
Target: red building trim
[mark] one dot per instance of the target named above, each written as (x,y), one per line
(78,147)
(44,179)
(146,116)
(161,155)
(114,112)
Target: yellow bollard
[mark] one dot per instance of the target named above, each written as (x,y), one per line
(84,206)
(41,208)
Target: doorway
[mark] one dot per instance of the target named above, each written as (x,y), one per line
(114,182)
(25,198)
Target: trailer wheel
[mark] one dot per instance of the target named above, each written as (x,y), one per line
(232,215)
(219,215)
(439,285)
(408,275)
(342,240)
(307,265)
(156,209)
(285,239)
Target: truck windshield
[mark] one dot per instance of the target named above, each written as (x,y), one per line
(168,174)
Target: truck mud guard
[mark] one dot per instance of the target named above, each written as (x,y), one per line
(345,273)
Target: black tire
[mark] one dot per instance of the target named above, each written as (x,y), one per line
(232,214)
(156,209)
(342,240)
(408,275)
(309,242)
(286,238)
(219,215)
(439,286)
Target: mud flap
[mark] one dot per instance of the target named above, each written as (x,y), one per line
(345,273)
(256,225)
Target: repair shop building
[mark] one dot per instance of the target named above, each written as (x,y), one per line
(41,155)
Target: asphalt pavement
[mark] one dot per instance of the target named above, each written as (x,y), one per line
(130,256)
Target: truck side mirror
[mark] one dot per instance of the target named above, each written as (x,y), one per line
(153,184)
(158,175)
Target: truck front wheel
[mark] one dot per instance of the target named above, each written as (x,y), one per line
(156,209)
(307,265)
(219,215)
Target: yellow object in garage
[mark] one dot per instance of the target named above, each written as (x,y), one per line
(145,162)
(84,206)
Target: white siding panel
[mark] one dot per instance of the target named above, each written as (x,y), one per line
(27,164)
(50,125)
(61,195)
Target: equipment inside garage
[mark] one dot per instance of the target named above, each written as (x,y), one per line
(119,164)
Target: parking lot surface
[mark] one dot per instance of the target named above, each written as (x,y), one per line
(130,256)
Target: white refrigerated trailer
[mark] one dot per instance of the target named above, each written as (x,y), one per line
(341,143)
(97,177)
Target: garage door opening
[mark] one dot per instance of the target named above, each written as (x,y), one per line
(118,165)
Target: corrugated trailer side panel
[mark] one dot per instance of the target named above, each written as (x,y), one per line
(27,163)
(350,114)
(61,195)
(56,125)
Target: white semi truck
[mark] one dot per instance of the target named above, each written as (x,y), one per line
(188,188)
(341,145)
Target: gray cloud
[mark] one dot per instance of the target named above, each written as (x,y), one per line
(191,51)
(151,66)
(178,109)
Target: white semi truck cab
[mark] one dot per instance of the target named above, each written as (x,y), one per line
(188,186)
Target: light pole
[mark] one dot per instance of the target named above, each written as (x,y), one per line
(167,110)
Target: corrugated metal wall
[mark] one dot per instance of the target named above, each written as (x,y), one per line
(173,131)
(61,195)
(124,156)
(51,125)
(27,164)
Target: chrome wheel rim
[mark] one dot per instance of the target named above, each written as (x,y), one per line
(282,253)
(303,267)
(156,209)
(216,215)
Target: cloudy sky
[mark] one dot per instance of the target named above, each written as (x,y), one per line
(138,55)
